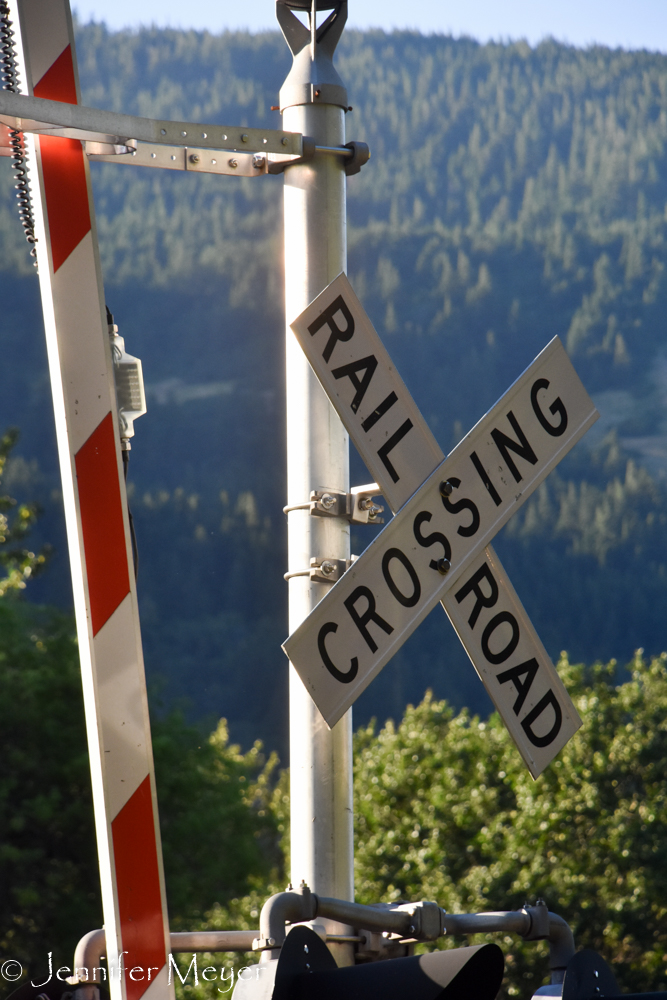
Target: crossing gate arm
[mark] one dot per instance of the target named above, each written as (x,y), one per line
(95,501)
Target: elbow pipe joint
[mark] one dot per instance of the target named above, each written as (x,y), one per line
(279,909)
(544,925)
(561,947)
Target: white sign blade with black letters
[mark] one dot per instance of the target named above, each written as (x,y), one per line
(365,618)
(369,395)
(512,663)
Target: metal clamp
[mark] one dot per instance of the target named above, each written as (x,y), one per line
(277,163)
(361,154)
(357,506)
(539,921)
(324,569)
(355,154)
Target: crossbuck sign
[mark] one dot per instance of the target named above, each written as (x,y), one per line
(437,547)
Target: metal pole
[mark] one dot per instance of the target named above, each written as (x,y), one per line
(313,102)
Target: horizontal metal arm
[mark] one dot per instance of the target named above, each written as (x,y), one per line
(407,922)
(91,949)
(201,160)
(36,114)
(418,921)
(530,923)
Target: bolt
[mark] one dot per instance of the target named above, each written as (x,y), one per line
(366,503)
(318,92)
(270,942)
(411,929)
(233,163)
(194,158)
(184,133)
(258,161)
(327,568)
(444,566)
(304,884)
(308,966)
(284,140)
(327,500)
(305,948)
(244,137)
(446,488)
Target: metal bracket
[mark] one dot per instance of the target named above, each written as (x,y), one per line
(202,160)
(361,154)
(74,121)
(427,920)
(193,159)
(278,162)
(323,569)
(356,506)
(355,155)
(148,142)
(539,921)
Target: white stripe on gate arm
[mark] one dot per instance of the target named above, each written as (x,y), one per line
(512,663)
(365,618)
(369,395)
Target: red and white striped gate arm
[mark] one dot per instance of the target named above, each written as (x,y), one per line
(114,686)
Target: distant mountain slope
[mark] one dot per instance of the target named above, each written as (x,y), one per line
(513,194)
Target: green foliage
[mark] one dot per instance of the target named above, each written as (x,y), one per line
(48,864)
(218,836)
(18,563)
(447,811)
(216,823)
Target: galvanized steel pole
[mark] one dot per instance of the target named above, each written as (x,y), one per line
(313,101)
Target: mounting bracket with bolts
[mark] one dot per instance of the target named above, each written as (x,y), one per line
(357,506)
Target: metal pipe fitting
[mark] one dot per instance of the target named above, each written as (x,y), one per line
(279,909)
(532,923)
(561,947)
(372,918)
(89,952)
(212,940)
(523,923)
(91,949)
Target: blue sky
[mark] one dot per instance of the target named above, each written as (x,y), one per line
(629,23)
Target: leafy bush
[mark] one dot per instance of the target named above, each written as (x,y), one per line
(447,811)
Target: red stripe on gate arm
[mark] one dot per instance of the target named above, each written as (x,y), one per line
(138,885)
(65,186)
(102,523)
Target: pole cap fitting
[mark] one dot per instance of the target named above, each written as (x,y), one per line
(312,79)
(307,5)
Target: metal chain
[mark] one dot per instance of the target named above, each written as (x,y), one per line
(10,81)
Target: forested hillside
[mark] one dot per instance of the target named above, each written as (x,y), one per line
(513,194)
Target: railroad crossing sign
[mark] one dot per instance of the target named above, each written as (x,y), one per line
(449,510)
